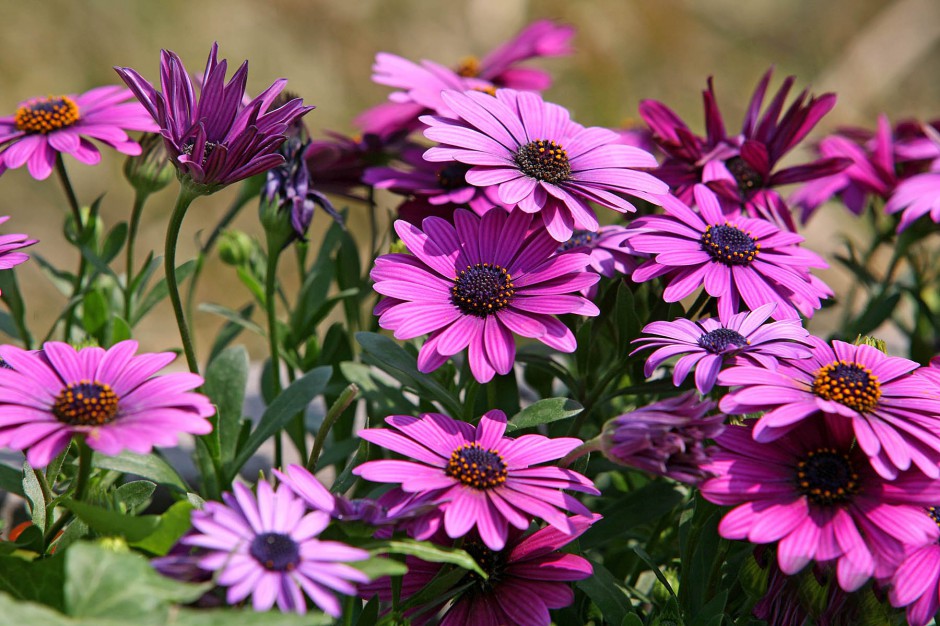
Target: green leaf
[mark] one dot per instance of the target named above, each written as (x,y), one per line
(161,291)
(146,272)
(636,508)
(11,480)
(607,593)
(876,312)
(251,282)
(377,567)
(148,466)
(427,551)
(173,524)
(226,378)
(113,523)
(36,581)
(135,495)
(34,495)
(8,326)
(229,331)
(63,281)
(114,242)
(289,403)
(544,412)
(95,312)
(235,317)
(120,329)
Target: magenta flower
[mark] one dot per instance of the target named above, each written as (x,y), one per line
(337,164)
(42,128)
(609,251)
(266,547)
(217,139)
(916,197)
(916,583)
(894,414)
(475,284)
(479,477)
(9,244)
(665,438)
(527,578)
(814,493)
(110,398)
(742,259)
(539,159)
(710,344)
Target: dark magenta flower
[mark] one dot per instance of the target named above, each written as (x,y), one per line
(10,245)
(708,345)
(337,164)
(916,583)
(110,398)
(217,139)
(527,578)
(475,283)
(814,493)
(41,128)
(895,415)
(665,438)
(266,547)
(735,260)
(539,159)
(480,478)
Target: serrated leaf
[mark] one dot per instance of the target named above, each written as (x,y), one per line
(544,412)
(148,466)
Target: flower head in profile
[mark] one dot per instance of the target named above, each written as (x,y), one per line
(10,245)
(266,547)
(480,478)
(337,164)
(665,438)
(708,345)
(735,260)
(916,583)
(109,398)
(894,414)
(217,139)
(475,283)
(814,493)
(43,128)
(540,160)
(609,251)
(526,578)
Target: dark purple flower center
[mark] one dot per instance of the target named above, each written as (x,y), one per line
(275,552)
(848,383)
(544,160)
(493,563)
(482,289)
(476,467)
(934,513)
(722,340)
(86,403)
(452,176)
(826,476)
(729,244)
(44,115)
(746,176)
(5,365)
(578,238)
(190,143)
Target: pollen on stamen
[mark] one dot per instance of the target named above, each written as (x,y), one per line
(44,115)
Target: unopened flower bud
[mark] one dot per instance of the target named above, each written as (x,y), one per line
(151,170)
(874,342)
(235,247)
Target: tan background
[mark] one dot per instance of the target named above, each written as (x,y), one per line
(878,55)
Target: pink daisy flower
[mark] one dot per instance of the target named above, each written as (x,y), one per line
(539,159)
(475,283)
(266,547)
(916,583)
(814,493)
(480,478)
(527,578)
(110,398)
(709,344)
(9,244)
(42,128)
(895,415)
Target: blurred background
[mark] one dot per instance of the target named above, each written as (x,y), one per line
(876,54)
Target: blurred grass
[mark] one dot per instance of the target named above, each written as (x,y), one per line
(881,56)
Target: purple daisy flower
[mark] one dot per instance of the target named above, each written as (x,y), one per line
(477,282)
(527,578)
(218,139)
(917,196)
(110,398)
(743,259)
(895,415)
(479,477)
(609,251)
(337,164)
(539,159)
(9,244)
(266,547)
(42,128)
(916,583)
(814,492)
(708,345)
(665,438)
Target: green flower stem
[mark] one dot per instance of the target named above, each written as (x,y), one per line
(342,403)
(84,470)
(140,198)
(270,306)
(75,207)
(76,210)
(186,196)
(592,445)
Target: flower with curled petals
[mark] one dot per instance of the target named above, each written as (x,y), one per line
(480,478)
(109,398)
(475,283)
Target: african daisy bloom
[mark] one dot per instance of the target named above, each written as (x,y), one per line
(895,415)
(743,259)
(709,344)
(609,251)
(480,478)
(266,546)
(10,244)
(109,398)
(916,583)
(665,438)
(475,283)
(813,492)
(217,139)
(527,578)
(916,197)
(539,159)
(42,128)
